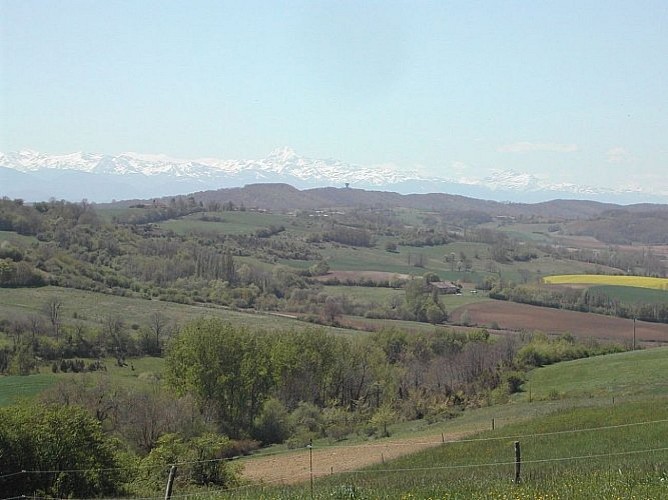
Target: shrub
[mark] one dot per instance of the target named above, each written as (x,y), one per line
(273,424)
(62,439)
(207,452)
(513,381)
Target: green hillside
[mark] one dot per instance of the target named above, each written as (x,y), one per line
(581,446)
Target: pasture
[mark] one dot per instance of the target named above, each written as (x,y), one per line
(631,294)
(91,308)
(383,295)
(16,239)
(236,222)
(632,374)
(140,373)
(16,387)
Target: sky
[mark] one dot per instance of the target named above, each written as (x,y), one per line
(569,91)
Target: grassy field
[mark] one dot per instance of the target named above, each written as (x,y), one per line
(14,387)
(537,232)
(15,238)
(623,375)
(561,459)
(632,294)
(369,259)
(382,295)
(91,308)
(579,446)
(364,293)
(377,259)
(140,372)
(232,223)
(600,279)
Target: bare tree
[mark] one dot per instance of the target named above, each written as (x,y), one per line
(525,274)
(36,325)
(52,309)
(159,325)
(115,337)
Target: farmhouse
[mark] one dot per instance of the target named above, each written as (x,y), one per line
(445,287)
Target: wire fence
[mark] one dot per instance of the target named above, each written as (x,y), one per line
(320,472)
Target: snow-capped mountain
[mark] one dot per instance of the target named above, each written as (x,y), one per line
(511,180)
(97,177)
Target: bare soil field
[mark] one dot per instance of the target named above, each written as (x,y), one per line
(344,276)
(513,316)
(290,468)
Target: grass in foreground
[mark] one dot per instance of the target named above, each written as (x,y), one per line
(580,446)
(614,452)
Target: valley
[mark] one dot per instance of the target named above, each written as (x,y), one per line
(370,324)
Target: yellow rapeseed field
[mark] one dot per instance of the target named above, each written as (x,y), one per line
(601,279)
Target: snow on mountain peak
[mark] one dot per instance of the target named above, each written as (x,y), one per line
(283,154)
(281,165)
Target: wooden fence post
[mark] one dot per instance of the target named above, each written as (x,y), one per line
(170,482)
(518,462)
(310,456)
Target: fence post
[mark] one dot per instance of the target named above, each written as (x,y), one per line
(518,462)
(492,424)
(170,482)
(310,457)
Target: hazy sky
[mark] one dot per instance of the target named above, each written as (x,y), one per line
(572,91)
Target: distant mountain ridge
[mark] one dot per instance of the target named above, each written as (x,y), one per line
(97,177)
(283,197)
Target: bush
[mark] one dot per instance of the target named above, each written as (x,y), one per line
(207,451)
(307,417)
(338,423)
(383,417)
(62,439)
(513,381)
(273,424)
(465,318)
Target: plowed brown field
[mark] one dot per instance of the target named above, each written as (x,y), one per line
(513,316)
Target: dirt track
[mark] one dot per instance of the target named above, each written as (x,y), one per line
(513,316)
(294,467)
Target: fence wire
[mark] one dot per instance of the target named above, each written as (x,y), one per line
(516,437)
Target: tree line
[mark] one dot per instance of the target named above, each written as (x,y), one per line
(586,300)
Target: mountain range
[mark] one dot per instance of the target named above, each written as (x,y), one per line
(36,176)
